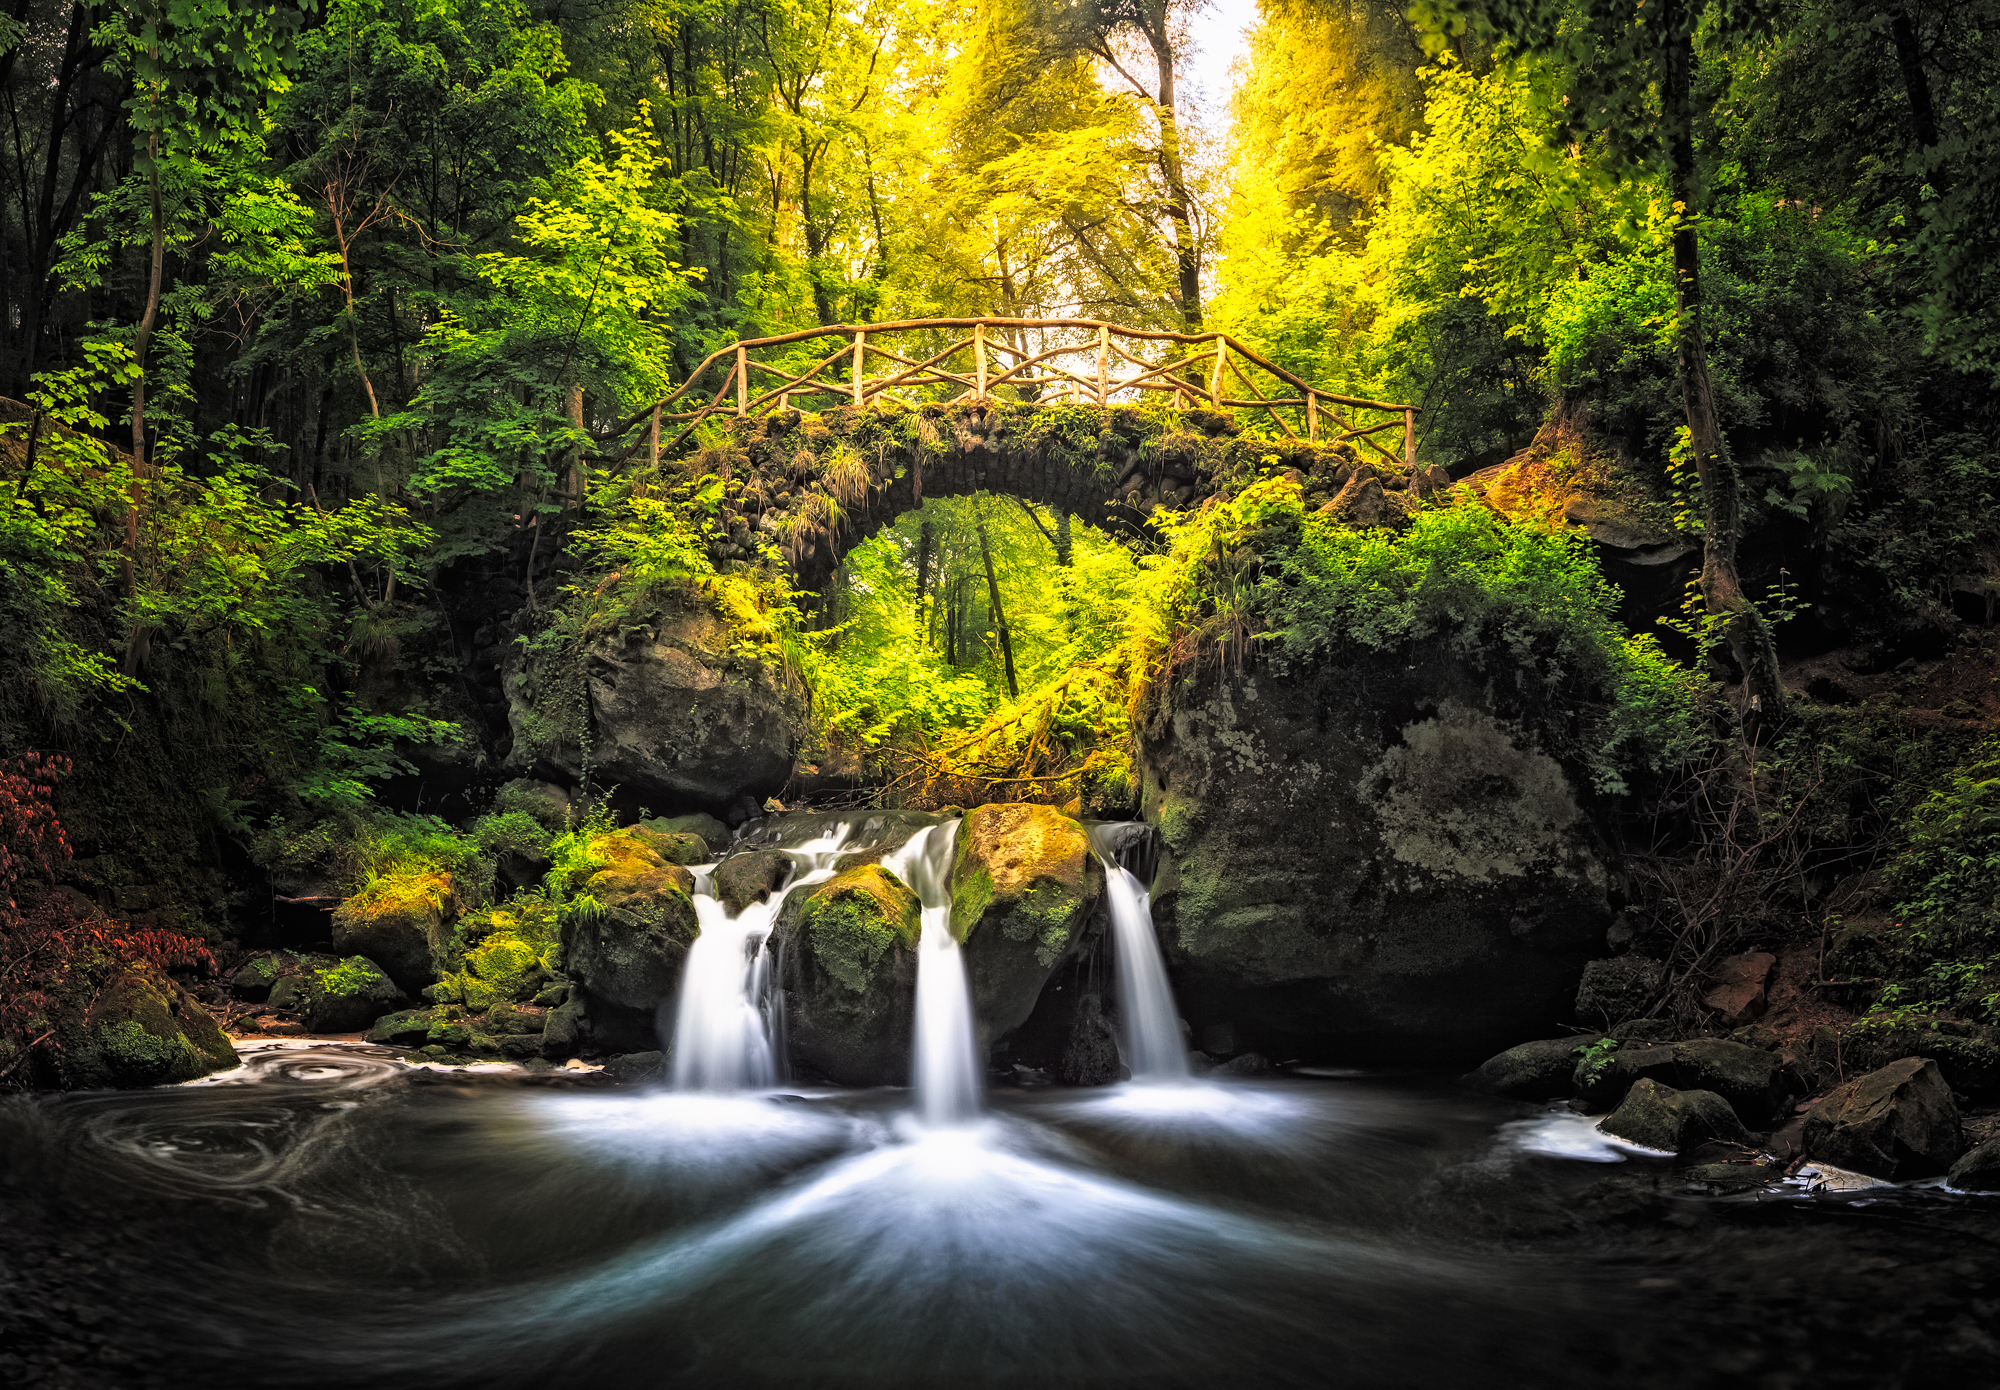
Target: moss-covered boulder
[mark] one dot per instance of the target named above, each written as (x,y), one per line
(1540,1070)
(850,976)
(1898,1122)
(1394,853)
(1659,1117)
(348,996)
(1023,880)
(629,950)
(404,1028)
(401,923)
(743,879)
(142,1030)
(252,980)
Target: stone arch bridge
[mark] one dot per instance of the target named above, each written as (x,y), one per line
(825,435)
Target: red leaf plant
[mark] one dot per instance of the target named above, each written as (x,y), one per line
(50,943)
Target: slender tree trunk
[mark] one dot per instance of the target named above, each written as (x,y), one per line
(999,615)
(573,484)
(1187,256)
(1748,636)
(926,538)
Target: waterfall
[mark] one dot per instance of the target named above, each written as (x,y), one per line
(944,1064)
(1149,1022)
(725,1035)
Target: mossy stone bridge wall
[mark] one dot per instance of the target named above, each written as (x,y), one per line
(817,485)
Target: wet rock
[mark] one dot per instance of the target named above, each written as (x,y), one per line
(1246,1064)
(1659,1117)
(289,992)
(1749,1078)
(1642,1032)
(1619,988)
(630,952)
(1898,1122)
(1022,880)
(142,1030)
(565,1030)
(713,832)
(347,997)
(850,972)
(1380,855)
(1541,1070)
(677,719)
(1978,1170)
(743,879)
(1730,1177)
(1736,994)
(253,979)
(634,1067)
(405,1028)
(1090,1057)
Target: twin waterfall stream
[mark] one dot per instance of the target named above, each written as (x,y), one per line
(729,1028)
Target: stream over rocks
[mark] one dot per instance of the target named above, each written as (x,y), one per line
(329,1217)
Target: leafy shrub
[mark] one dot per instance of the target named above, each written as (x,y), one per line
(1947,880)
(1486,585)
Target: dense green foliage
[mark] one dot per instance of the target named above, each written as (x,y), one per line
(332,330)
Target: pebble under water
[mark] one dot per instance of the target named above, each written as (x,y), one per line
(329,1218)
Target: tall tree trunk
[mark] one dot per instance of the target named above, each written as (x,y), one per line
(1187,256)
(926,538)
(999,615)
(1745,630)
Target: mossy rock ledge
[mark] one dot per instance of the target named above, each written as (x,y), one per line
(1387,855)
(143,1030)
(629,953)
(1023,882)
(849,952)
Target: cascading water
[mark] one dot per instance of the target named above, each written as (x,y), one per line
(944,1063)
(725,1038)
(1150,1021)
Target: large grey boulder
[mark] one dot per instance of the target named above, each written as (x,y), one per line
(679,720)
(1898,1122)
(1378,853)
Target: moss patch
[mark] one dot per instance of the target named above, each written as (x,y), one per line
(1022,869)
(855,917)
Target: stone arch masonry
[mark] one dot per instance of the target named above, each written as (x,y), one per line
(819,485)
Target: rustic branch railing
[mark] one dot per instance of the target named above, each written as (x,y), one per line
(1045,361)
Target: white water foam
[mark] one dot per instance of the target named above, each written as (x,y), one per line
(724,1038)
(944,1062)
(1149,1021)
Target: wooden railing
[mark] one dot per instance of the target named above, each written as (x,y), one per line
(1042,361)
